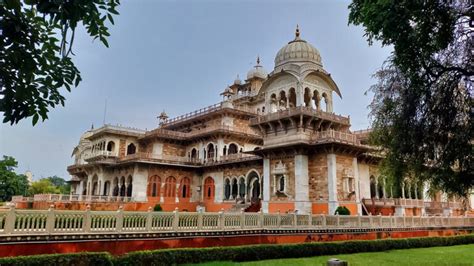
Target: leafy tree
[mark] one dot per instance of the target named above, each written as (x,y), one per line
(423,103)
(60,183)
(36,48)
(43,186)
(11,183)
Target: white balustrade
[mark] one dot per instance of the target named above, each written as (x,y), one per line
(57,222)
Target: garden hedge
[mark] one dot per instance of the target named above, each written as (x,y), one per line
(239,253)
(263,252)
(77,259)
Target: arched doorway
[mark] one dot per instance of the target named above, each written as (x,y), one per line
(254,187)
(232,149)
(209,188)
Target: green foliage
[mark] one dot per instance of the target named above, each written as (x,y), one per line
(78,259)
(342,210)
(61,184)
(11,183)
(422,105)
(264,252)
(157,208)
(36,49)
(43,186)
(238,253)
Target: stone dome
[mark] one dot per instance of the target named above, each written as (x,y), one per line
(237,81)
(257,71)
(298,51)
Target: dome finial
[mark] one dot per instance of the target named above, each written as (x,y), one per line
(297,32)
(258,60)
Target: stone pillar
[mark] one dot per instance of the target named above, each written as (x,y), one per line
(299,94)
(355,169)
(377,196)
(383,188)
(332,183)
(403,190)
(266,184)
(302,204)
(202,156)
(220,149)
(80,188)
(139,183)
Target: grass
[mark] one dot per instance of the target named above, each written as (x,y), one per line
(453,255)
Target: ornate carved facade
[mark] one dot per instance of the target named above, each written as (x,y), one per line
(274,143)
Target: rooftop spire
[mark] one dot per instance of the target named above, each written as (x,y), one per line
(297,32)
(258,60)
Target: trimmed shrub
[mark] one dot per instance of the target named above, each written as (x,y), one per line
(342,210)
(238,254)
(77,259)
(157,208)
(264,252)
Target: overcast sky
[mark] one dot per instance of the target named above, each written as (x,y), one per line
(178,56)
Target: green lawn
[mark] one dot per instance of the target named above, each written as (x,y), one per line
(453,255)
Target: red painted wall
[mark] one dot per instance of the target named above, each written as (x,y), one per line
(118,247)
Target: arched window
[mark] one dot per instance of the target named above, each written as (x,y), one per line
(210,151)
(170,187)
(281,183)
(131,148)
(116,187)
(224,151)
(263,109)
(95,185)
(129,186)
(193,154)
(111,146)
(235,188)
(184,188)
(154,185)
(232,149)
(283,100)
(380,188)
(373,187)
(242,188)
(227,189)
(324,102)
(122,187)
(106,188)
(292,97)
(209,188)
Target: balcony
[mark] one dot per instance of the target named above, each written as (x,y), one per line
(170,134)
(202,112)
(300,110)
(412,203)
(99,155)
(321,137)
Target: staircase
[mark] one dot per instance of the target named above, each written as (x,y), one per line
(238,207)
(255,206)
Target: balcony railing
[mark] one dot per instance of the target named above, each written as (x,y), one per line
(299,110)
(58,222)
(412,203)
(78,198)
(99,153)
(146,156)
(160,132)
(334,136)
(203,111)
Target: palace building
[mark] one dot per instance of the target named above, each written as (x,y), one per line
(274,143)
